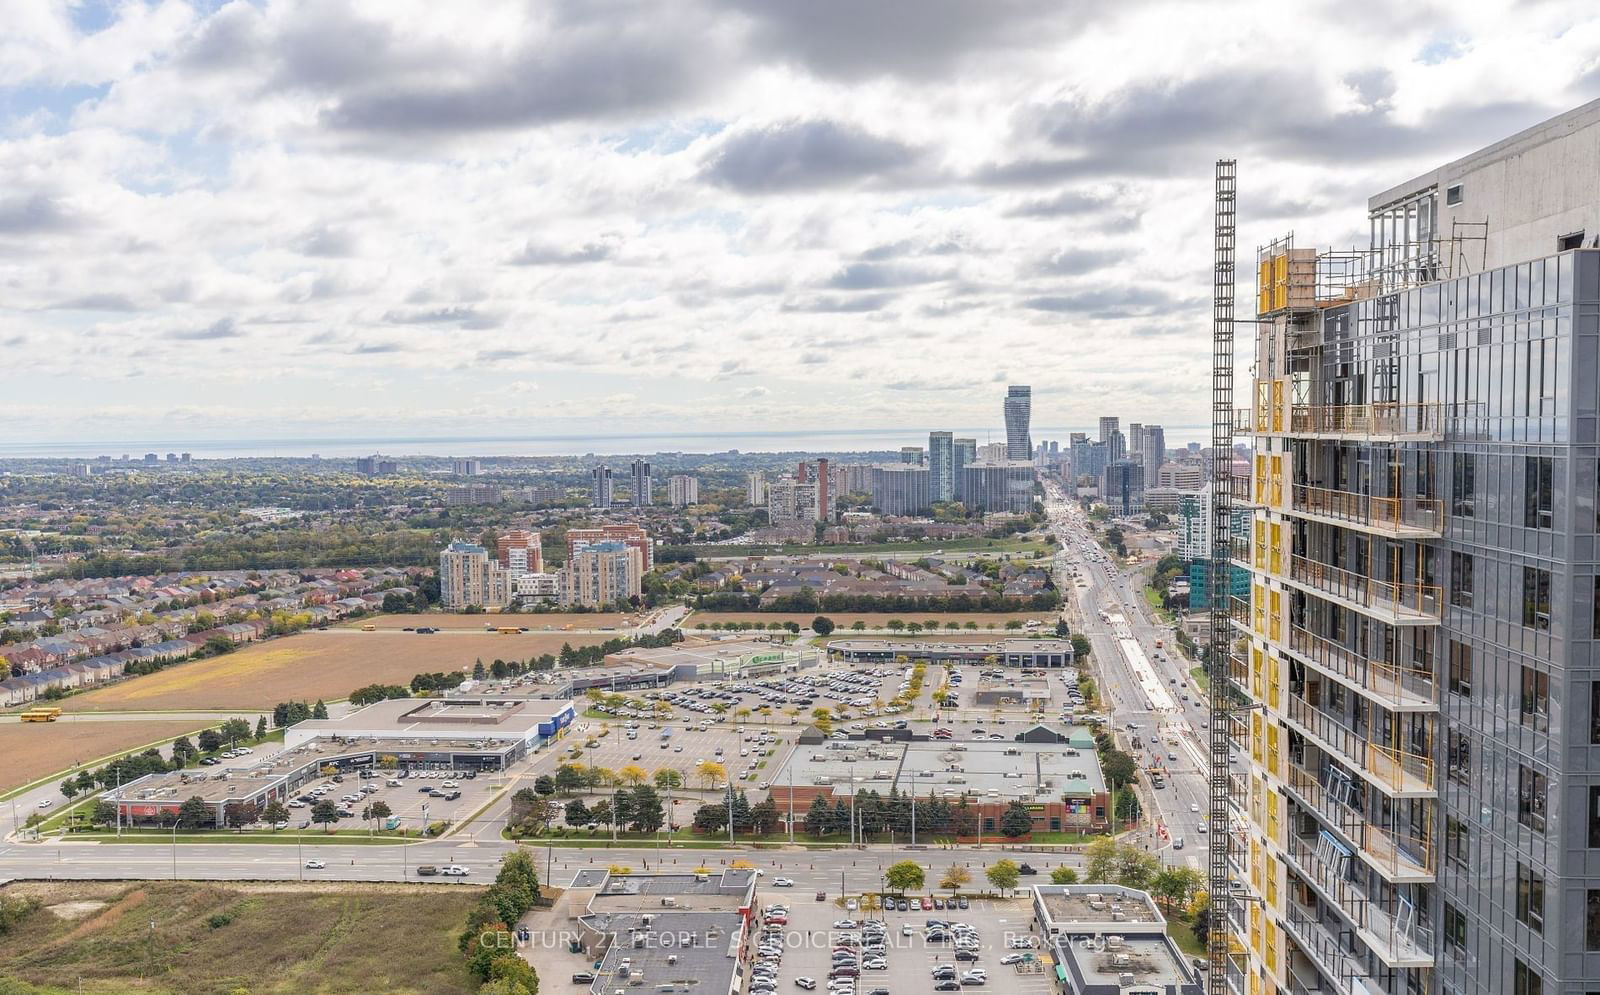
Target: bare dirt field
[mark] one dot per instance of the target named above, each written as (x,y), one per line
(312,665)
(872,620)
(556,621)
(35,749)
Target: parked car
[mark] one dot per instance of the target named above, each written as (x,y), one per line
(427,870)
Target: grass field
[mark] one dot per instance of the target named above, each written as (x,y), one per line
(535,623)
(312,665)
(35,749)
(97,938)
(873,620)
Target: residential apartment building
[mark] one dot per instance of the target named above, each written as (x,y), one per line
(468,576)
(519,552)
(627,533)
(602,573)
(466,467)
(1420,794)
(755,490)
(683,490)
(643,483)
(1122,488)
(901,489)
(964,452)
(913,455)
(1019,415)
(1005,486)
(472,494)
(600,487)
(941,466)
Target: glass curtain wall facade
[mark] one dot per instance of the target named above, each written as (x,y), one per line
(1419,785)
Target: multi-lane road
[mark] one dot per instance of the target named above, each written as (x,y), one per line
(1146,690)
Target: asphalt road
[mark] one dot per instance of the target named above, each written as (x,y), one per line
(854,870)
(1166,732)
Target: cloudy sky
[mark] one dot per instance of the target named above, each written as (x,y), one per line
(291,218)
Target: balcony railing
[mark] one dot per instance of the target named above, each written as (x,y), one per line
(1397,516)
(1420,420)
(1394,687)
(1393,770)
(1394,601)
(1397,944)
(1244,421)
(1400,858)
(1321,944)
(1241,490)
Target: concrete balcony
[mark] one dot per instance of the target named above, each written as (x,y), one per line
(1241,492)
(1377,422)
(1394,602)
(1395,773)
(1397,944)
(1244,422)
(1396,689)
(1399,518)
(1399,857)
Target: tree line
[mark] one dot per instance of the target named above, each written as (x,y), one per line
(806,602)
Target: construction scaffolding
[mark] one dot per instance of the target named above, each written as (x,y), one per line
(1221,942)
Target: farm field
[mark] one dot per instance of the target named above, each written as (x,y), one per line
(35,749)
(873,620)
(96,938)
(535,623)
(312,665)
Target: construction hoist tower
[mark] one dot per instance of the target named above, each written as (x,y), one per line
(1220,942)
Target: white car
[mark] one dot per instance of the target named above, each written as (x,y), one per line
(315,865)
(1194,806)
(782,883)
(809,984)
(454,870)
(45,803)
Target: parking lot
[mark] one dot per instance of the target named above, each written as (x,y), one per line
(406,794)
(909,956)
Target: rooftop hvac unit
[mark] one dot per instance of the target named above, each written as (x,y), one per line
(1097,905)
(1125,979)
(1113,942)
(1119,917)
(1121,960)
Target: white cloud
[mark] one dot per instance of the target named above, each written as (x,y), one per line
(715,216)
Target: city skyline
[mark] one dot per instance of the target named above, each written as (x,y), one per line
(214,231)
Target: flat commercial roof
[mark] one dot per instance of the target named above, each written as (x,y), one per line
(1149,959)
(467,717)
(1080,906)
(689,951)
(1108,935)
(1029,772)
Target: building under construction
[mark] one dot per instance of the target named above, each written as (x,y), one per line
(1419,813)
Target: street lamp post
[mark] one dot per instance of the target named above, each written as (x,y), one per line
(175,821)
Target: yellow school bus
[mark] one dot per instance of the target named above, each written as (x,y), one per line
(509,630)
(41,715)
(369,627)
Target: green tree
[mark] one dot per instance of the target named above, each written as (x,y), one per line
(668,779)
(105,813)
(274,813)
(1136,868)
(905,876)
(1119,768)
(261,728)
(234,730)
(544,784)
(822,625)
(1003,874)
(183,751)
(210,741)
(325,813)
(1100,865)
(1063,875)
(1015,821)
(69,788)
(576,813)
(1080,648)
(194,812)
(379,811)
(477,671)
(319,710)
(512,972)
